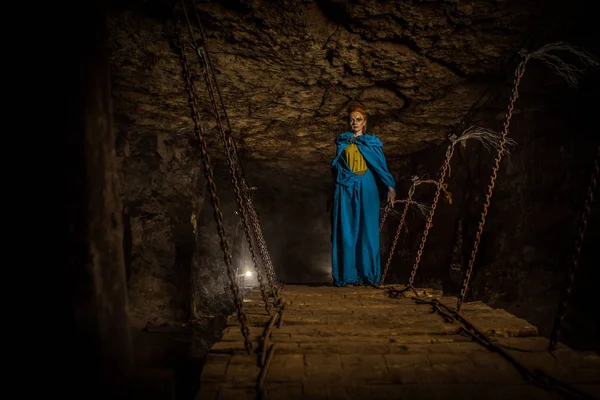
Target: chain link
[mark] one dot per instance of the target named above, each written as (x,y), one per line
(386,211)
(439,187)
(562,306)
(238,166)
(239,169)
(513,98)
(411,192)
(242,209)
(256,228)
(261,243)
(208,173)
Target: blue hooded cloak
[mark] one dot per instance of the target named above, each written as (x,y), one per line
(355,211)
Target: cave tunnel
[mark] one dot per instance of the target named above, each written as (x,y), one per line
(198,147)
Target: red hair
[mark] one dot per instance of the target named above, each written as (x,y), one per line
(359,109)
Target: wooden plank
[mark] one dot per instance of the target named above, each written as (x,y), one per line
(369,343)
(387,319)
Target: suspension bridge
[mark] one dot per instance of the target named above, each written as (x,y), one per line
(323,342)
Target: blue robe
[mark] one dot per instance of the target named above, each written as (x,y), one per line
(355,212)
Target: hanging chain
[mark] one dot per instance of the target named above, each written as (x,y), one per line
(411,192)
(208,173)
(265,256)
(200,52)
(262,246)
(562,306)
(260,240)
(429,223)
(256,224)
(513,98)
(386,211)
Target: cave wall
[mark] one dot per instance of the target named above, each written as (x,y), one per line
(287,72)
(175,262)
(162,182)
(169,230)
(289,69)
(163,192)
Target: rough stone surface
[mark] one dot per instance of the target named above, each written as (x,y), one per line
(162,188)
(289,69)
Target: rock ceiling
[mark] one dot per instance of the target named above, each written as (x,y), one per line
(288,70)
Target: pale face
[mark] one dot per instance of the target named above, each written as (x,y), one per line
(357,123)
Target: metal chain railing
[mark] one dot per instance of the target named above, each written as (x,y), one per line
(208,173)
(260,240)
(264,253)
(520,70)
(429,223)
(386,211)
(242,209)
(411,191)
(238,166)
(587,209)
(408,202)
(536,377)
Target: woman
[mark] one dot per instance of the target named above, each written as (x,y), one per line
(361,181)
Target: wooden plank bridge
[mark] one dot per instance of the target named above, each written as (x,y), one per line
(361,343)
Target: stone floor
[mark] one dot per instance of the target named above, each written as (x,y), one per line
(358,343)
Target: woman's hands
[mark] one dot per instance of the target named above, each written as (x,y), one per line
(391,195)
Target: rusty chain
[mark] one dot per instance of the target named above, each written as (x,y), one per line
(208,173)
(242,209)
(429,223)
(255,223)
(411,191)
(520,70)
(587,209)
(536,377)
(386,211)
(261,243)
(239,168)
(267,260)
